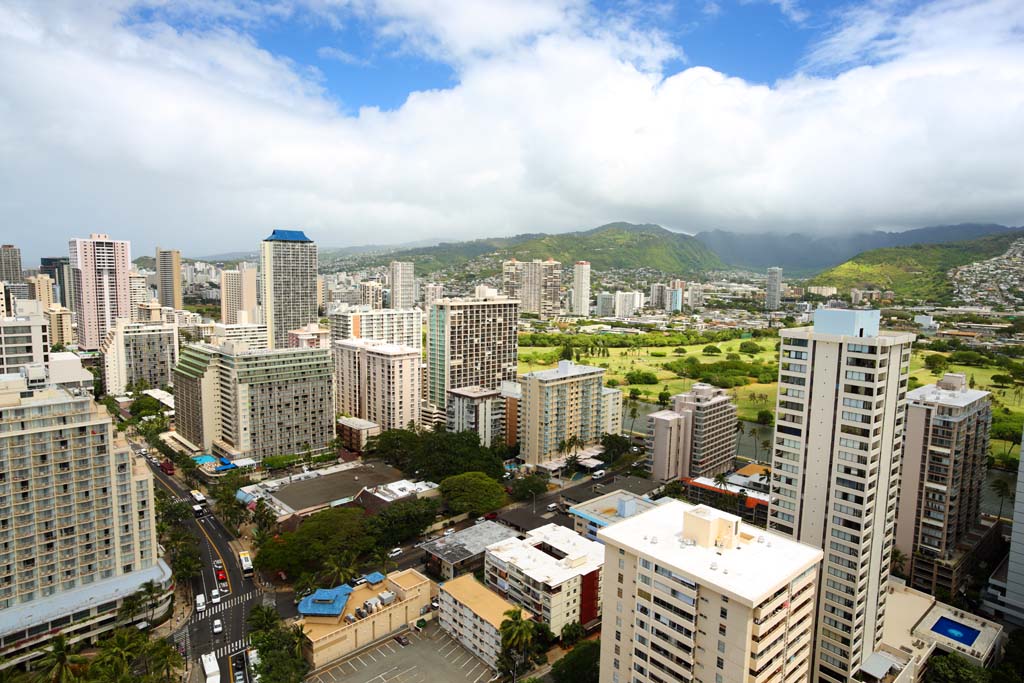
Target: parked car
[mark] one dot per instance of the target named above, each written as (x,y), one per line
(599,474)
(395,552)
(402,640)
(217,564)
(552,507)
(491,515)
(449,531)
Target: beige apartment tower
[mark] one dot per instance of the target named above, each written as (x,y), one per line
(393,326)
(696,438)
(100,287)
(944,464)
(168,277)
(288,263)
(62,332)
(378,382)
(836,471)
(558,404)
(40,288)
(136,353)
(536,283)
(692,593)
(238,296)
(581,288)
(471,342)
(403,284)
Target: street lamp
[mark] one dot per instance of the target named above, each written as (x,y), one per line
(534,502)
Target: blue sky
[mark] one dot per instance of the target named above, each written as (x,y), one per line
(206,124)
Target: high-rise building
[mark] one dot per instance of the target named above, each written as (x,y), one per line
(471,342)
(24,337)
(403,284)
(612,410)
(944,463)
(512,279)
(59,270)
(475,409)
(62,331)
(773,289)
(605,307)
(553,572)
(537,284)
(288,263)
(1005,594)
(138,294)
(431,293)
(581,288)
(100,286)
(168,277)
(378,382)
(628,303)
(404,327)
(371,293)
(564,402)
(139,353)
(694,295)
(836,470)
(238,402)
(694,593)
(659,299)
(238,294)
(81,520)
(696,438)
(10,263)
(40,288)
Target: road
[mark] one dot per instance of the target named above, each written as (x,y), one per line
(196,636)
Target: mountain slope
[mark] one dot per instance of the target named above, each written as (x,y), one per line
(917,271)
(760,250)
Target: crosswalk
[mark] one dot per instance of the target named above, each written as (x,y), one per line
(232,648)
(181,641)
(224,604)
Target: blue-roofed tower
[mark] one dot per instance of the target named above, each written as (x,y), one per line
(288,263)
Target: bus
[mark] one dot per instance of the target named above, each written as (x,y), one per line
(198,497)
(210,668)
(246,561)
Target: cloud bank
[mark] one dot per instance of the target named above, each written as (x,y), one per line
(170,124)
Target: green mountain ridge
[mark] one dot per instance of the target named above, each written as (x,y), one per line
(916,271)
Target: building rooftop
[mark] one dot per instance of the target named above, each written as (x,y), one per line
(564,555)
(474,392)
(565,369)
(356,422)
(325,602)
(464,544)
(751,566)
(945,393)
(613,507)
(733,488)
(287,236)
(302,494)
(374,346)
(484,602)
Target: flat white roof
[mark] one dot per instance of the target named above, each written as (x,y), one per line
(753,569)
(581,555)
(931,393)
(565,369)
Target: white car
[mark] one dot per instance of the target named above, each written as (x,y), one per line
(214,597)
(449,531)
(395,552)
(218,626)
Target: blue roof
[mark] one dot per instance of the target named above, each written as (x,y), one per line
(375,578)
(287,236)
(325,602)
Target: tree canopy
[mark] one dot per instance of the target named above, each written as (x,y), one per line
(581,665)
(472,492)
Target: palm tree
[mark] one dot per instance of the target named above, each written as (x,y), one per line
(766,444)
(263,618)
(61,663)
(151,592)
(305,584)
(131,605)
(722,480)
(10,674)
(163,660)
(1003,490)
(740,430)
(122,648)
(516,635)
(298,632)
(898,561)
(383,560)
(339,569)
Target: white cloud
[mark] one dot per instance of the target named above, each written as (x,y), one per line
(202,139)
(338,55)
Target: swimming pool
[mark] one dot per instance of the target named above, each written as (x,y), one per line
(965,635)
(203,459)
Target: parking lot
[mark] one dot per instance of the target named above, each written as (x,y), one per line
(430,656)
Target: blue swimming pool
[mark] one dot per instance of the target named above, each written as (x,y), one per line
(203,459)
(965,635)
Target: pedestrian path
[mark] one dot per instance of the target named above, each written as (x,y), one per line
(232,648)
(225,604)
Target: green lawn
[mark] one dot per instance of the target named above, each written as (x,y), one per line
(749,399)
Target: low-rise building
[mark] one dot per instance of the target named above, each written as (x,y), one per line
(339,621)
(553,572)
(463,551)
(355,432)
(311,336)
(597,513)
(749,505)
(472,614)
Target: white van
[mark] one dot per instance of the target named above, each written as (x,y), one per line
(200,603)
(553,507)
(599,474)
(214,597)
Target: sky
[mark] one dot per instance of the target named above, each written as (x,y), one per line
(205,124)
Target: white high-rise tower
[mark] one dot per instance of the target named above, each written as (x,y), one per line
(288,262)
(581,288)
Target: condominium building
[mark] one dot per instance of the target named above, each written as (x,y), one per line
(564,402)
(288,262)
(168,277)
(311,336)
(138,293)
(139,353)
(605,306)
(378,382)
(62,331)
(403,284)
(944,463)
(628,303)
(553,572)
(78,532)
(471,342)
(659,296)
(612,410)
(24,337)
(99,283)
(692,593)
(472,614)
(254,336)
(431,293)
(581,288)
(388,325)
(836,470)
(696,438)
(695,295)
(59,270)
(371,294)
(240,402)
(773,289)
(480,410)
(537,284)
(40,288)
(10,263)
(1004,596)
(237,295)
